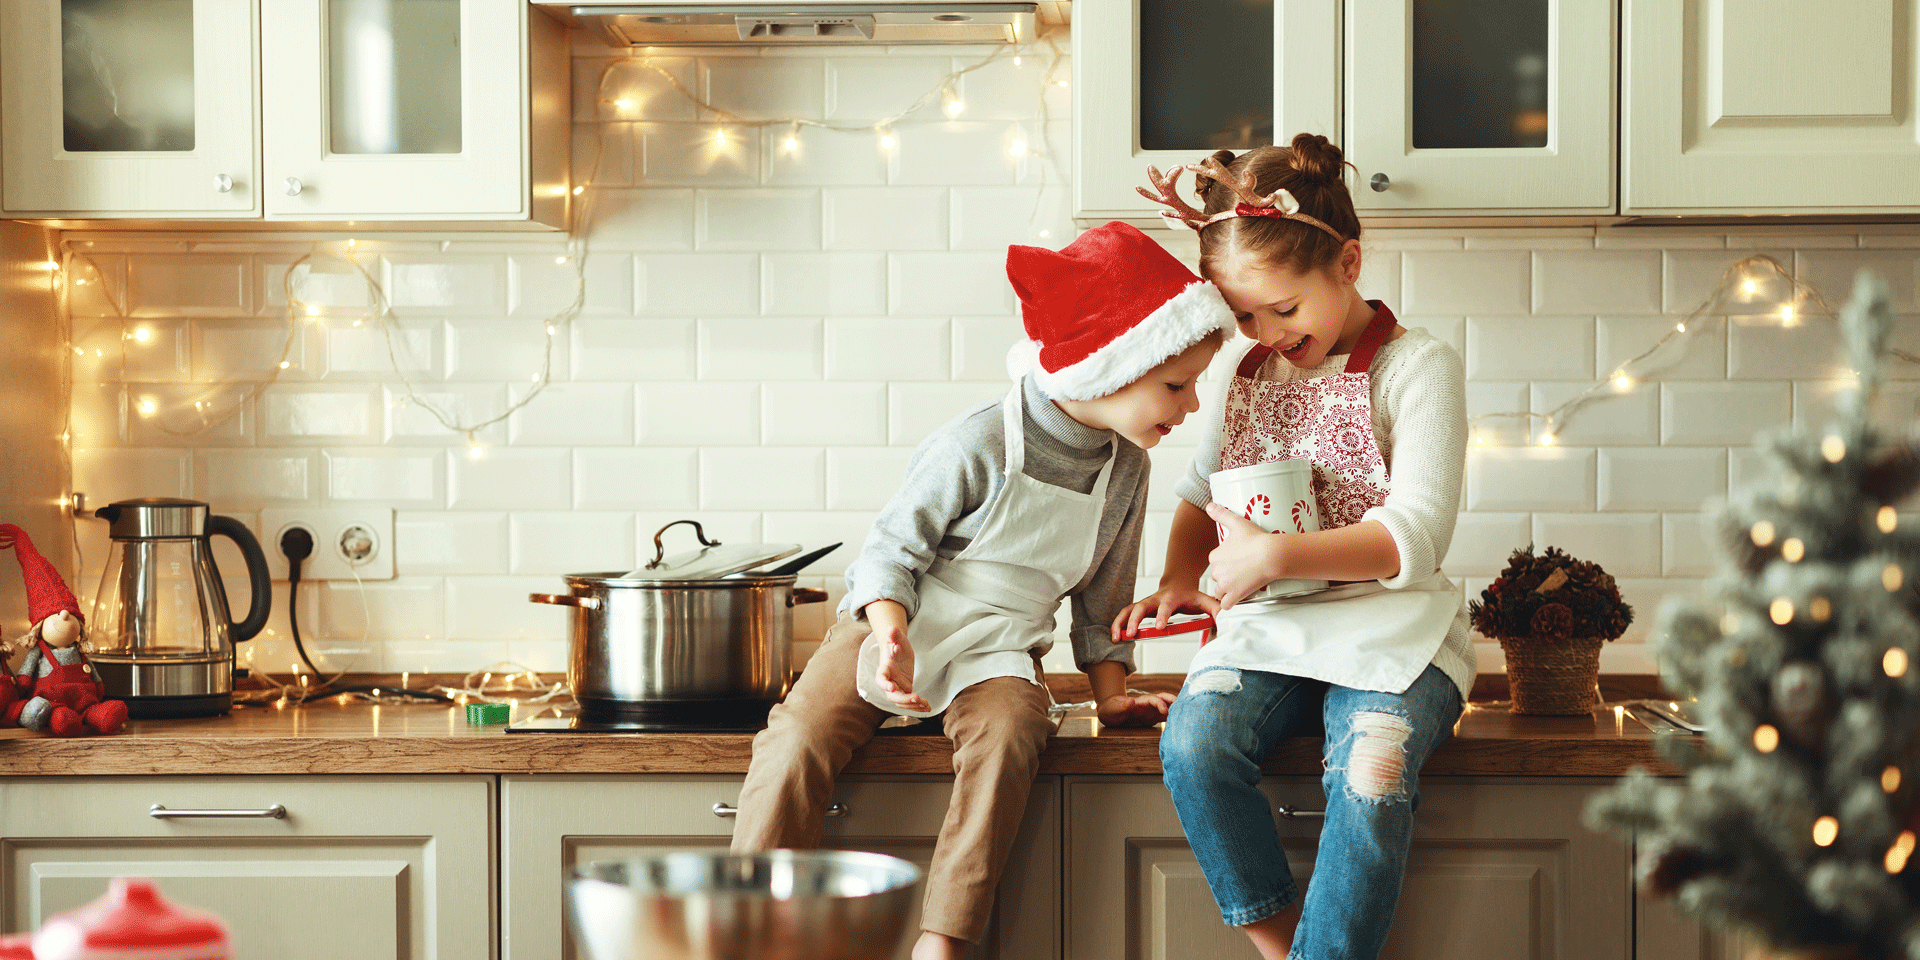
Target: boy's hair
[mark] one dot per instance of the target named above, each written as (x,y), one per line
(1310,169)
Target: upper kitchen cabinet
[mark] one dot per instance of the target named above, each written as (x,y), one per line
(286,110)
(1166,82)
(1478,107)
(1770,107)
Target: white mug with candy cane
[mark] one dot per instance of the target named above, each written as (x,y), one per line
(1278,497)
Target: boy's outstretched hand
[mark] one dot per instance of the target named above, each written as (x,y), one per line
(1164,603)
(895,672)
(1128,710)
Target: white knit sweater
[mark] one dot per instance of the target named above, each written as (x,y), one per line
(1420,425)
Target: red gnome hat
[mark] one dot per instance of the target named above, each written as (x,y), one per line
(47,594)
(1105,309)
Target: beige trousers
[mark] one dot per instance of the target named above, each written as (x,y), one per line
(998,728)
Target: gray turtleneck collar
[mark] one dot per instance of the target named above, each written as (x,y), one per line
(1044,414)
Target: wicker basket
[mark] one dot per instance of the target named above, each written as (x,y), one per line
(1556,678)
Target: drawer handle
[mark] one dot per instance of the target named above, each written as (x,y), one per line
(727,811)
(1295,813)
(275,812)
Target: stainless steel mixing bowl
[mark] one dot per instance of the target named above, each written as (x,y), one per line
(712,905)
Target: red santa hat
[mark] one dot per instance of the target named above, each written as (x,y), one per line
(132,922)
(1104,310)
(47,594)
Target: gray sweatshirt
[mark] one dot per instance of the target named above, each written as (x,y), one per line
(956,473)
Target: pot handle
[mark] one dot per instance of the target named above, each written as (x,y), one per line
(564,600)
(660,549)
(802,595)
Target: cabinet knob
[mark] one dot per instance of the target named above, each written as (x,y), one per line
(1379,183)
(294,186)
(222,183)
(727,811)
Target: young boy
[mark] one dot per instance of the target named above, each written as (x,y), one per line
(1013,506)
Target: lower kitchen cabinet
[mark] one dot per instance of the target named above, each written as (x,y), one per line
(1662,933)
(551,823)
(373,868)
(1500,868)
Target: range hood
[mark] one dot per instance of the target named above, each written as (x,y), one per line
(626,23)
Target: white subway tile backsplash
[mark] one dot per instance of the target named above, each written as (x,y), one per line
(1686,547)
(817,528)
(814,414)
(766,86)
(823,158)
(957,153)
(449,542)
(710,284)
(772,219)
(1745,468)
(864,478)
(1698,353)
(510,478)
(405,607)
(1816,403)
(636,478)
(1833,273)
(332,284)
(1529,348)
(1466,282)
(1661,478)
(698,414)
(779,349)
(603,78)
(516,351)
(652,219)
(934,284)
(865,89)
(475,287)
(1722,414)
(204,285)
(572,541)
(916,409)
(1763,350)
(980,346)
(403,478)
(1483,541)
(106,475)
(1625,544)
(1380,278)
(1530,478)
(573,414)
(831,284)
(1596,281)
(98,413)
(374,353)
(98,284)
(292,413)
(602,154)
(112,351)
(762,478)
(417,417)
(250,479)
(1451,331)
(886,218)
(496,608)
(236,349)
(889,349)
(542,285)
(1692,276)
(693,155)
(201,414)
(1609,417)
(637,350)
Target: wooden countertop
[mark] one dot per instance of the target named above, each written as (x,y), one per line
(328,737)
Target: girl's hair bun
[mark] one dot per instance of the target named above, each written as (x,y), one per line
(1317,159)
(1203,183)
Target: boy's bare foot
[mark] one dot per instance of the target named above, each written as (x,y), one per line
(895,672)
(939,946)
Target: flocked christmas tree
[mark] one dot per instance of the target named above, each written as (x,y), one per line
(1797,815)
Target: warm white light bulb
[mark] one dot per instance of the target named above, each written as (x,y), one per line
(1017,148)
(886,141)
(579,190)
(623,104)
(955,107)
(1786,314)
(1547,439)
(148,407)
(284,364)
(1681,326)
(312,310)
(1622,382)
(790,144)
(559,259)
(1749,286)
(142,334)
(720,137)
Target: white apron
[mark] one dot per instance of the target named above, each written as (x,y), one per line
(987,611)
(1359,635)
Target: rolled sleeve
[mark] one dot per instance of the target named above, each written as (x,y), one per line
(1427,413)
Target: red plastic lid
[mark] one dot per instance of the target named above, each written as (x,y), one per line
(132,920)
(16,946)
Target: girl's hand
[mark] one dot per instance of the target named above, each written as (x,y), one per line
(1164,603)
(895,672)
(1126,710)
(1247,560)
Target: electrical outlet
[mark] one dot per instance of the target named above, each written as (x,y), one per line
(346,543)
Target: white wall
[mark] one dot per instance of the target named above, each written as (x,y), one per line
(33,464)
(767,335)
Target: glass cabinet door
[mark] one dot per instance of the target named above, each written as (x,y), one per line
(128,107)
(394,108)
(1464,106)
(1167,82)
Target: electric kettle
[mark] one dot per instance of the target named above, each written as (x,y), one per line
(161,632)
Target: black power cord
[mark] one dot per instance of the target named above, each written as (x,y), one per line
(297,545)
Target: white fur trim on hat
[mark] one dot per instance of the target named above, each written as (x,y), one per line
(1022,358)
(1178,324)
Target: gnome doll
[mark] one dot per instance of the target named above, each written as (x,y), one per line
(66,697)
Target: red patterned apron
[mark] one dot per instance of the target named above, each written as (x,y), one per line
(1359,634)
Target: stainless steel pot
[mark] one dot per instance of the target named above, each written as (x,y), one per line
(659,645)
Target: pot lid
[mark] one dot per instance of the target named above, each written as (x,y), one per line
(712,561)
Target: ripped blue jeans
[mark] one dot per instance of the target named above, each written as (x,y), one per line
(1224,724)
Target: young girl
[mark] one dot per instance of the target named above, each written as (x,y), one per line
(1380,661)
(1015,505)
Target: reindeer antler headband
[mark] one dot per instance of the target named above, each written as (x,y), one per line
(1279,204)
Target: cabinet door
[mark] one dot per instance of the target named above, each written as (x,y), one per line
(1481,106)
(395,109)
(553,823)
(1498,870)
(1166,82)
(1770,106)
(380,868)
(1662,933)
(128,108)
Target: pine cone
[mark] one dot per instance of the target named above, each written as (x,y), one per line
(1552,621)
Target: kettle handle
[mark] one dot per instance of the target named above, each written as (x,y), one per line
(259,578)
